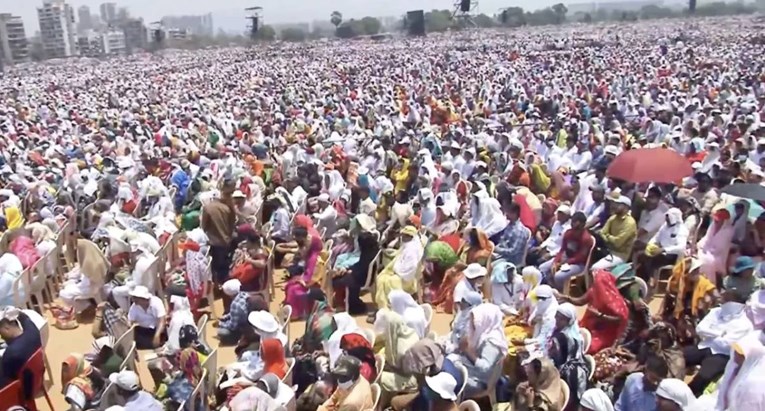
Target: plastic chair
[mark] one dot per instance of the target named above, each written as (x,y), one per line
(590,360)
(566,393)
(125,341)
(44,335)
(202,328)
(469,405)
(284,316)
(38,280)
(11,395)
(36,365)
(129,361)
(657,277)
(585,273)
(643,287)
(428,309)
(379,365)
(369,335)
(209,292)
(197,395)
(211,366)
(288,376)
(464,373)
(372,271)
(376,393)
(109,397)
(20,288)
(586,339)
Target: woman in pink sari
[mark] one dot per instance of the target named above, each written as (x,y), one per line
(715,246)
(307,251)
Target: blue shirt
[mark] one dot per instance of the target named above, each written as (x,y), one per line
(237,314)
(512,243)
(634,397)
(280,224)
(143,401)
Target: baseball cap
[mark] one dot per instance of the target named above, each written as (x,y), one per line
(127,380)
(238,194)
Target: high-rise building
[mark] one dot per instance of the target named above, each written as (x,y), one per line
(108,12)
(136,35)
(57,32)
(85,19)
(91,44)
(13,40)
(114,42)
(196,25)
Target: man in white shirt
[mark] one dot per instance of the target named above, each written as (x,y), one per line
(149,315)
(129,388)
(144,274)
(717,331)
(551,245)
(327,216)
(652,217)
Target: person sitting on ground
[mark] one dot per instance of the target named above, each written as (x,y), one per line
(129,389)
(106,359)
(639,393)
(543,390)
(81,383)
(149,315)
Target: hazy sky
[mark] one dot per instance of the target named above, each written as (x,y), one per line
(226,12)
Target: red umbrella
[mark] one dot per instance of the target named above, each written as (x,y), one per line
(645,165)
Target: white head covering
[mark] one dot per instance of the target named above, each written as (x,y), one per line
(756,309)
(569,311)
(232,287)
(596,400)
(414,316)
(676,391)
(487,327)
(345,325)
(488,215)
(546,305)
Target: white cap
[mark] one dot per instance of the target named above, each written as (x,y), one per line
(127,380)
(323,197)
(611,150)
(624,200)
(676,391)
(442,384)
(474,270)
(263,321)
(232,287)
(238,194)
(141,292)
(564,208)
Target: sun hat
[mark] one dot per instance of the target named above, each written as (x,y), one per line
(474,270)
(442,384)
(263,321)
(141,292)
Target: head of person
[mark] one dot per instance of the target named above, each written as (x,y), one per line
(475,273)
(513,211)
(239,198)
(661,336)
(74,366)
(622,205)
(227,189)
(440,387)
(704,182)
(126,382)
(652,198)
(563,213)
(755,310)
(141,297)
(346,372)
(578,221)
(10,325)
(565,316)
(720,217)
(656,369)
(595,399)
(269,383)
(408,233)
(264,324)
(743,267)
(673,395)
(188,336)
(300,235)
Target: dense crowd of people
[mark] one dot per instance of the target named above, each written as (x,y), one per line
(464,176)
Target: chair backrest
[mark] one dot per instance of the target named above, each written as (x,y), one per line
(202,322)
(36,365)
(464,373)
(469,405)
(198,394)
(428,309)
(125,341)
(566,393)
(129,361)
(643,287)
(590,360)
(284,316)
(370,335)
(376,393)
(211,366)
(379,365)
(586,339)
(11,395)
(288,376)
(528,246)
(373,268)
(109,397)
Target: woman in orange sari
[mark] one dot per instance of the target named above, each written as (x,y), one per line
(477,249)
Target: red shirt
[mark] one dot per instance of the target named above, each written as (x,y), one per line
(576,247)
(527,214)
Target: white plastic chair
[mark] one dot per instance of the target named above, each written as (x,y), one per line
(590,360)
(124,342)
(464,373)
(211,367)
(197,394)
(376,393)
(586,339)
(380,365)
(288,376)
(202,328)
(428,309)
(566,393)
(469,405)
(491,385)
(284,316)
(129,361)
(369,335)
(44,336)
(643,287)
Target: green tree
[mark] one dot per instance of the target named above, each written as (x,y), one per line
(438,20)
(484,21)
(336,18)
(560,11)
(266,33)
(514,17)
(652,11)
(292,34)
(370,25)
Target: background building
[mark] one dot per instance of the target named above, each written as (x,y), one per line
(91,44)
(57,33)
(136,35)
(196,25)
(108,12)
(114,42)
(85,19)
(13,40)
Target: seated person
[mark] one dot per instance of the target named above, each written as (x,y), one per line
(483,347)
(639,393)
(231,324)
(129,390)
(543,390)
(673,395)
(250,262)
(149,315)
(572,255)
(440,390)
(551,245)
(401,272)
(81,383)
(268,394)
(352,389)
(689,297)
(105,358)
(665,247)
(22,340)
(618,233)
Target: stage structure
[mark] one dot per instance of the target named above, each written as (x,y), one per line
(255,16)
(463,11)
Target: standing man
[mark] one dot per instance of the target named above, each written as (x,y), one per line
(218,222)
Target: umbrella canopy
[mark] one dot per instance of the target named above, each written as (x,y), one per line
(646,165)
(746,190)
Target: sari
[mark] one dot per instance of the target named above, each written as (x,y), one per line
(680,284)
(715,246)
(548,390)
(296,289)
(540,181)
(606,299)
(470,253)
(273,357)
(76,371)
(345,325)
(13,218)
(401,272)
(318,327)
(358,346)
(399,338)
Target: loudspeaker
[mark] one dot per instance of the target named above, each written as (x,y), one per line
(415,22)
(692,6)
(465,6)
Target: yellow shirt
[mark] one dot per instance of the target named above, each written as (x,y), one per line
(620,233)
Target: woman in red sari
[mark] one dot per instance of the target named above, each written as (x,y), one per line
(358,346)
(307,247)
(607,314)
